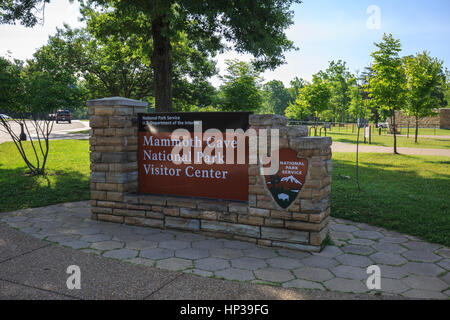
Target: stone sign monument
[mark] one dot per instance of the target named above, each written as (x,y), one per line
(205,173)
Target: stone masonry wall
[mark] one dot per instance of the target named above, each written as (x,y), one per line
(402,120)
(114,186)
(445,118)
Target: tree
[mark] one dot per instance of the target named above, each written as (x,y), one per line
(108,68)
(357,107)
(358,110)
(252,26)
(299,110)
(296,84)
(318,96)
(123,59)
(37,89)
(447,88)
(314,97)
(51,83)
(25,11)
(241,88)
(373,111)
(339,77)
(425,81)
(387,86)
(33,91)
(120,66)
(11,84)
(276,97)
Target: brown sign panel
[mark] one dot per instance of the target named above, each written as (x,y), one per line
(286,184)
(197,176)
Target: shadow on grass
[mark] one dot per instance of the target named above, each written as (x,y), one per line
(395,198)
(20,190)
(440,162)
(344,140)
(361,142)
(371,164)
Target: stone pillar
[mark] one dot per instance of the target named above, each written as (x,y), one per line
(113,146)
(314,198)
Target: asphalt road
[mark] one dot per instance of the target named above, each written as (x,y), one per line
(57,128)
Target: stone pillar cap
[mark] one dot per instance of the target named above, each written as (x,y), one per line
(116,101)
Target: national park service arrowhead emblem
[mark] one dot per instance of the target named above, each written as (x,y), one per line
(286,184)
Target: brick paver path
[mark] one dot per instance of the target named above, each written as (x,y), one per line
(409,266)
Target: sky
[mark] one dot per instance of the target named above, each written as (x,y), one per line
(323,30)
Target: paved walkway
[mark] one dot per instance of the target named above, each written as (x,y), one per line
(409,267)
(348,147)
(71,136)
(34,269)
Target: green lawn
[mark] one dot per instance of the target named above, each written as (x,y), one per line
(431,132)
(388,140)
(80,132)
(409,194)
(67,176)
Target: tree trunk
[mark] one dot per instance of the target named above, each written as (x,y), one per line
(417,129)
(395,131)
(357,161)
(162,64)
(407,134)
(315,125)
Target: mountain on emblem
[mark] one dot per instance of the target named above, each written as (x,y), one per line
(290,179)
(286,184)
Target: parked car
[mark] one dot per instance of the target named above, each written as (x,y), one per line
(51,116)
(383,125)
(4,116)
(63,115)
